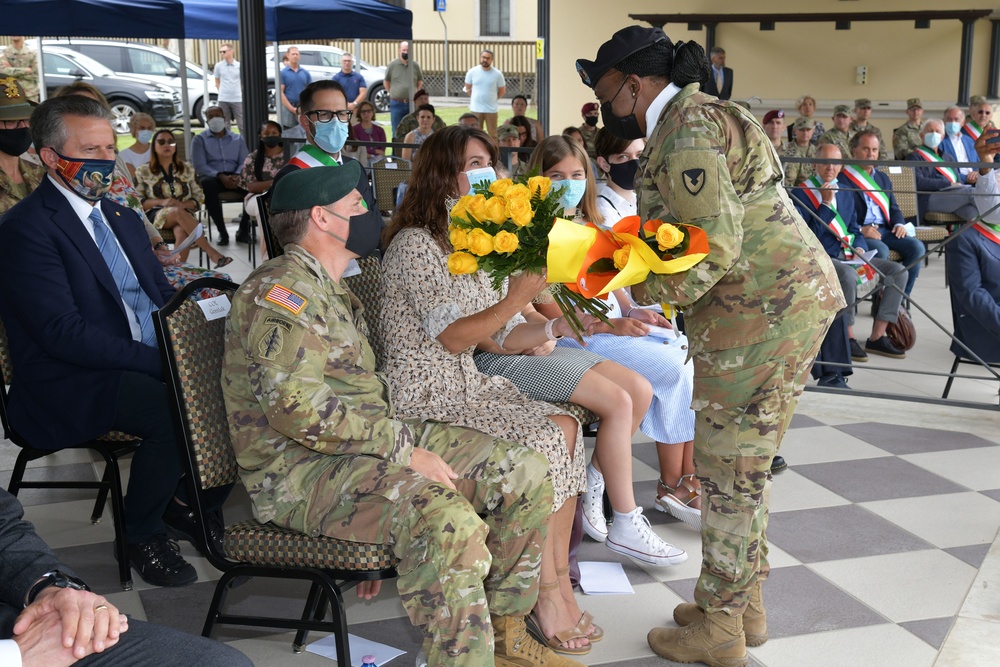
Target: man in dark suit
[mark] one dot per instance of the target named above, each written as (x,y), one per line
(720,81)
(876,211)
(829,212)
(78,286)
(48,616)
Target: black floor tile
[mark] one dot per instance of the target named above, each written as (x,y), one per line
(912,439)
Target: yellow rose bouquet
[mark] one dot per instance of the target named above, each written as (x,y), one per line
(504,228)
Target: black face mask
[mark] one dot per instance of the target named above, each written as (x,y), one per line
(623,175)
(624,128)
(404,56)
(16,141)
(271,142)
(363,233)
(591,121)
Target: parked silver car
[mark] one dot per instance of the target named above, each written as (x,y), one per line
(150,62)
(323,62)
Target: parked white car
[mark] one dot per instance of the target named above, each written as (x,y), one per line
(150,62)
(323,62)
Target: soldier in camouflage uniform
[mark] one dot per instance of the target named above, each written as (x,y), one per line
(906,137)
(18,178)
(797,172)
(21,63)
(319,450)
(756,310)
(838,134)
(862,112)
(589,129)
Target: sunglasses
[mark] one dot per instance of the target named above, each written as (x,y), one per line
(166,142)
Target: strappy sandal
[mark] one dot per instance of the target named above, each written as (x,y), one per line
(223,261)
(598,633)
(677,501)
(556,641)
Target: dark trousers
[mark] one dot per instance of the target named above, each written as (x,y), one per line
(212,187)
(836,348)
(144,411)
(151,645)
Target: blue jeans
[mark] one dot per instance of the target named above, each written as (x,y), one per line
(397,111)
(909,247)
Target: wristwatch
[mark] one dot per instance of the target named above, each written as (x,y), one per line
(55,578)
(161,244)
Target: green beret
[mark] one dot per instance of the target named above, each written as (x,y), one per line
(315,186)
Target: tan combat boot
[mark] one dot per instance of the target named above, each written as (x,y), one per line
(754,618)
(716,640)
(514,647)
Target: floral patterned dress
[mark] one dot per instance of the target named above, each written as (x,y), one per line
(182,186)
(420,298)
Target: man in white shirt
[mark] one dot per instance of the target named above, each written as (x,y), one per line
(227,80)
(958,147)
(485,85)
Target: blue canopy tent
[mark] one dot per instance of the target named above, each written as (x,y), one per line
(93,18)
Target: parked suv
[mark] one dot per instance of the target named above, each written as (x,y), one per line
(150,62)
(127,95)
(323,62)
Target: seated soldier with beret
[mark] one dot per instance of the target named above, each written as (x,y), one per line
(320,452)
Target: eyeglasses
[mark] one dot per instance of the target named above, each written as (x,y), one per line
(325,115)
(223,51)
(166,142)
(15,124)
(365,110)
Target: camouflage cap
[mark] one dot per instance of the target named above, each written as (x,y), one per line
(841,110)
(14,105)
(976,100)
(315,186)
(803,123)
(862,103)
(507,132)
(622,44)
(914,102)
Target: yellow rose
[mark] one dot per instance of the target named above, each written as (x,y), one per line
(480,243)
(505,242)
(459,237)
(668,236)
(477,207)
(460,263)
(519,211)
(621,256)
(461,207)
(540,184)
(500,186)
(517,191)
(496,210)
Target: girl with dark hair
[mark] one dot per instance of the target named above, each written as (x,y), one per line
(425,127)
(756,310)
(260,166)
(170,193)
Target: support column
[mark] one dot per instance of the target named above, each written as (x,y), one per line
(252,68)
(965,62)
(993,83)
(709,37)
(543,66)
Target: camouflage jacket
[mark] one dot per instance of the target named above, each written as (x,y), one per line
(32,175)
(905,139)
(854,128)
(837,138)
(15,63)
(709,164)
(409,123)
(797,172)
(589,140)
(300,383)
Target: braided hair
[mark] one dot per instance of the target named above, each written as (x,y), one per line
(681,63)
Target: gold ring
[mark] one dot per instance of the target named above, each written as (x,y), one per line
(101,607)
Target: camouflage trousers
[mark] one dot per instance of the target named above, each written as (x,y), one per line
(462,556)
(744,399)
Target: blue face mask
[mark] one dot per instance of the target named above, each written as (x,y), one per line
(477,176)
(572,191)
(144,136)
(330,136)
(951,129)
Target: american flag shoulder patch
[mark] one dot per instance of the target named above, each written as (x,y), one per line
(286,298)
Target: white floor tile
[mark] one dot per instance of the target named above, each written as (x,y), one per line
(823,444)
(792,491)
(905,586)
(949,520)
(873,646)
(975,468)
(68,524)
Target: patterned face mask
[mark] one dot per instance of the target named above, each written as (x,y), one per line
(90,179)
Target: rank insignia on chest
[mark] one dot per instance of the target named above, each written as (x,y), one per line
(694,180)
(286,298)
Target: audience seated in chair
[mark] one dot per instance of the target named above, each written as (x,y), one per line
(217,155)
(958,146)
(939,188)
(141,127)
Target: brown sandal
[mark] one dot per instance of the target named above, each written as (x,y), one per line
(598,633)
(677,500)
(555,642)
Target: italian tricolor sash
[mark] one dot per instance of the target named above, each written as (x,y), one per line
(948,172)
(972,129)
(839,227)
(864,182)
(990,231)
(311,156)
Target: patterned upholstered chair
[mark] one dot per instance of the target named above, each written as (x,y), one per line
(192,346)
(111,446)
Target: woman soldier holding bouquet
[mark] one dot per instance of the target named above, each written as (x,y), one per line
(756,310)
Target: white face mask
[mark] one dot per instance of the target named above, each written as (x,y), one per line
(933,139)
(952,129)
(216,124)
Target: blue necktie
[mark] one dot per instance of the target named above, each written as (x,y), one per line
(128,284)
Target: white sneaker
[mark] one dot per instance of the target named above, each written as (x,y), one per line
(595,524)
(635,538)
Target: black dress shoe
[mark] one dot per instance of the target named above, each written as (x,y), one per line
(857,353)
(160,563)
(243,237)
(833,380)
(884,347)
(778,464)
(223,239)
(182,526)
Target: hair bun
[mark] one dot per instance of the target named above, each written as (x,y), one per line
(690,64)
